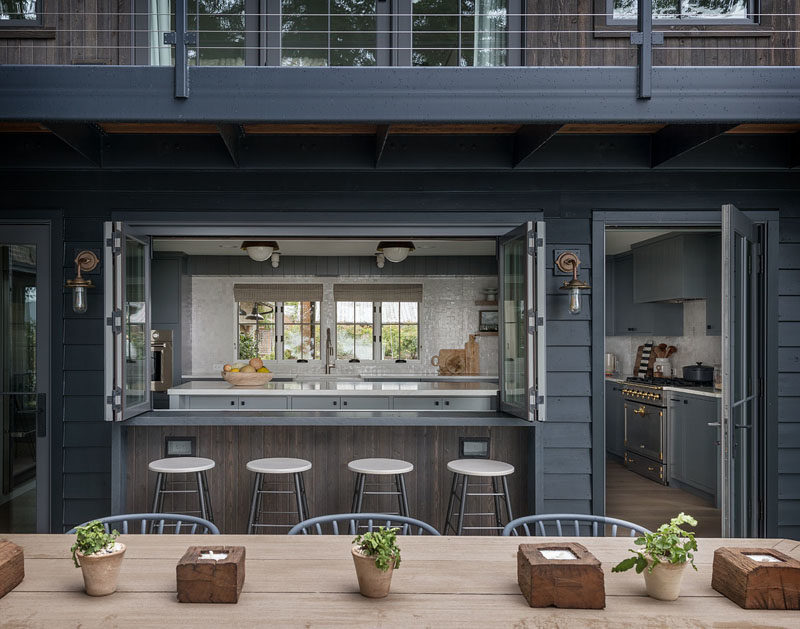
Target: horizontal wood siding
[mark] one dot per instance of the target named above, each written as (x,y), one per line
(329,484)
(789,380)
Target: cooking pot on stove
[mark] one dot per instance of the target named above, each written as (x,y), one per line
(698,373)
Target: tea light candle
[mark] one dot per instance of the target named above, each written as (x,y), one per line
(553,553)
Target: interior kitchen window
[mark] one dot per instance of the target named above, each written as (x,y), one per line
(355,330)
(258,334)
(399,330)
(301,330)
(704,11)
(19,13)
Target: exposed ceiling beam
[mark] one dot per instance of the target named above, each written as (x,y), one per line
(85,139)
(381,136)
(232,135)
(677,139)
(530,138)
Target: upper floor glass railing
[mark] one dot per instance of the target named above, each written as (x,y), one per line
(404,33)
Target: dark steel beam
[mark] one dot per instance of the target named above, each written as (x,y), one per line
(232,135)
(678,139)
(644,39)
(794,151)
(85,139)
(388,95)
(380,142)
(530,138)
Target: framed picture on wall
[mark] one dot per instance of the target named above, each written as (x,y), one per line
(487,321)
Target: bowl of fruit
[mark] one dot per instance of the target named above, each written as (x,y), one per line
(252,374)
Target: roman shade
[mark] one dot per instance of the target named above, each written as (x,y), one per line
(377,292)
(277,292)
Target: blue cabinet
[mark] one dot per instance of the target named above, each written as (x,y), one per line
(615,419)
(694,454)
(714,285)
(670,267)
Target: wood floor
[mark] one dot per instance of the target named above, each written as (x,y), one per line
(632,497)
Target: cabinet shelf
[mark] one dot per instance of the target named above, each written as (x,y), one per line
(483,302)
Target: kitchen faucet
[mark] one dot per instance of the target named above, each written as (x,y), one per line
(329,364)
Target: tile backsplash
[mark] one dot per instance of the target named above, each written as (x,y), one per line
(694,346)
(448,316)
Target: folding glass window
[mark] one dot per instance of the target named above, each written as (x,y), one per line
(301,330)
(400,330)
(258,334)
(354,330)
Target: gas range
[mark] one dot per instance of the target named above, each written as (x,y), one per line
(649,390)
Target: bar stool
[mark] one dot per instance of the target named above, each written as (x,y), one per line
(262,467)
(484,468)
(380,467)
(183,465)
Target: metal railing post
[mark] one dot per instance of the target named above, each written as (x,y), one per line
(645,38)
(180,38)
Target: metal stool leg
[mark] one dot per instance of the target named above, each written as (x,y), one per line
(201,495)
(463,506)
(305,498)
(355,493)
(497,509)
(252,521)
(508,502)
(360,495)
(403,496)
(299,497)
(207,489)
(450,505)
(157,493)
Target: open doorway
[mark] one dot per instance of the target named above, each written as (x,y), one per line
(663,390)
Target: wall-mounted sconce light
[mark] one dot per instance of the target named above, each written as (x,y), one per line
(261,250)
(380,260)
(568,262)
(84,261)
(395,251)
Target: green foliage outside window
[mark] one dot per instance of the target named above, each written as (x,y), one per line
(247,347)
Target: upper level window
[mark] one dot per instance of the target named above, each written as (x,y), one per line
(703,11)
(19,13)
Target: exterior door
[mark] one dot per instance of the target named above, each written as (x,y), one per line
(521,321)
(127,290)
(742,408)
(24,378)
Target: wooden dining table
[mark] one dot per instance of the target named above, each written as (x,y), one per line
(309,581)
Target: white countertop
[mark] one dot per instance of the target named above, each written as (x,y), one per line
(332,387)
(700,391)
(399,377)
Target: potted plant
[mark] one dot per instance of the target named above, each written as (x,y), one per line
(663,558)
(376,555)
(99,556)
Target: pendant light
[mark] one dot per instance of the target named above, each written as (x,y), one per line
(260,250)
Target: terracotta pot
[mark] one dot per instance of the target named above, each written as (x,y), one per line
(100,572)
(664,583)
(372,581)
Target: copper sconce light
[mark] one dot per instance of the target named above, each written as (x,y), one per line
(568,262)
(85,261)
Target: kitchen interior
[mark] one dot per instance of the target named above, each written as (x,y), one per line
(663,377)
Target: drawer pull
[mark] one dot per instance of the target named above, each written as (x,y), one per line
(233,402)
(640,411)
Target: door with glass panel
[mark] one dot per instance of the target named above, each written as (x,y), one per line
(128,349)
(24,378)
(522,319)
(742,401)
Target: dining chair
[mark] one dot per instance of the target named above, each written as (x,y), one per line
(154,524)
(576,520)
(355,522)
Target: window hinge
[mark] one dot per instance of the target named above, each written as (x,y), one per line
(115,242)
(115,399)
(115,321)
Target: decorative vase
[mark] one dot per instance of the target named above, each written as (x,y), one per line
(101,570)
(372,581)
(664,582)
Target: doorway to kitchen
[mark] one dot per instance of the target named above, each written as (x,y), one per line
(683,327)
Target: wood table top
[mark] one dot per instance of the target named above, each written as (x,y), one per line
(310,581)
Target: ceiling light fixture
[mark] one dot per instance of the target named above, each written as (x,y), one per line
(260,250)
(568,262)
(395,251)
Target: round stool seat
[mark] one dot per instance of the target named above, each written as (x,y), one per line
(279,466)
(181,465)
(480,467)
(379,466)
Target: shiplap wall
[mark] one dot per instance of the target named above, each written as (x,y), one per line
(789,380)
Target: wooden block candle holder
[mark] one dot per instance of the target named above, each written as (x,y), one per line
(211,574)
(12,567)
(757,578)
(562,575)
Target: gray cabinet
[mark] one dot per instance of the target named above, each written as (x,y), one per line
(263,403)
(213,402)
(468,404)
(366,403)
(694,449)
(417,403)
(714,284)
(315,403)
(615,419)
(626,317)
(670,267)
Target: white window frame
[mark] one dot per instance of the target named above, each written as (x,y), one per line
(752,17)
(379,328)
(279,335)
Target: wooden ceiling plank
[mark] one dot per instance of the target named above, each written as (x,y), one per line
(765,129)
(310,129)
(610,129)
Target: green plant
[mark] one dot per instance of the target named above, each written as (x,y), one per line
(248,348)
(381,544)
(90,539)
(669,544)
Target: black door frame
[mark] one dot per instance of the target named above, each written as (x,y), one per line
(768,464)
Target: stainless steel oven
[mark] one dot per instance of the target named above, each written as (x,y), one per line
(161,352)
(646,440)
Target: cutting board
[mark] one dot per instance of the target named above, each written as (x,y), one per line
(451,362)
(473,359)
(637,362)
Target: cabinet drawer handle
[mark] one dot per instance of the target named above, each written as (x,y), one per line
(713,424)
(650,468)
(642,446)
(242,402)
(233,402)
(335,402)
(343,403)
(447,403)
(436,403)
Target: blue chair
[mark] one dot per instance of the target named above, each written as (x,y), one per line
(354,520)
(155,522)
(576,519)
